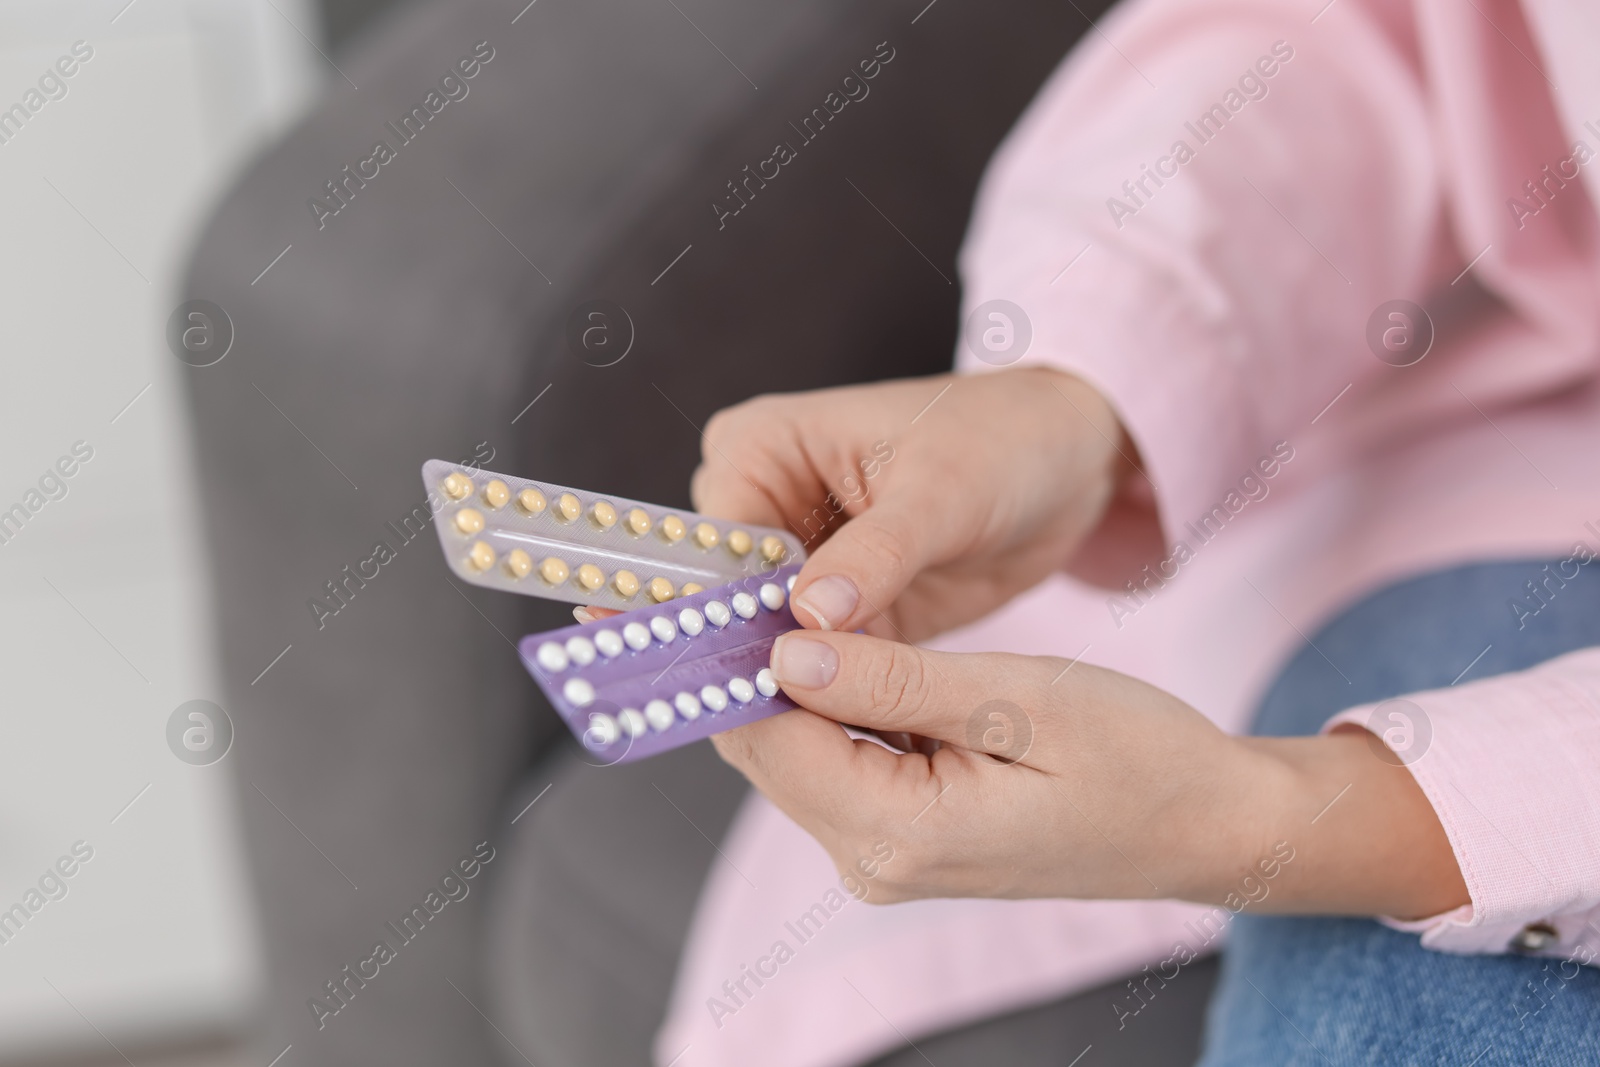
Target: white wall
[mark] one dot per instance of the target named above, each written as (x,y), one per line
(102,613)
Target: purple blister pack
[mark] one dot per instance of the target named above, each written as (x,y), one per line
(652,679)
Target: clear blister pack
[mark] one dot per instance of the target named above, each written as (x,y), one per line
(544,540)
(658,677)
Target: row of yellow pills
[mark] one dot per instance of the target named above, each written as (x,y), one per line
(603,515)
(554,571)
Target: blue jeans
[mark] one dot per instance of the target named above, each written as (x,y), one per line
(1320,992)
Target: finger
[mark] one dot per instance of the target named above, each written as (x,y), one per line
(826,781)
(892,687)
(718,488)
(587,614)
(769,477)
(858,572)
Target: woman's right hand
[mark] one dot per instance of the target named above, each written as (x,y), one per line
(924,503)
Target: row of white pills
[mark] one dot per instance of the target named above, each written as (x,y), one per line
(659,714)
(580,651)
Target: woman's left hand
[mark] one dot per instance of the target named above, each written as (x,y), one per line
(1052,778)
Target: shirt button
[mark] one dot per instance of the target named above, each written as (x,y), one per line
(1535,937)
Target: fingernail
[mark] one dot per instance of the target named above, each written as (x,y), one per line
(804,662)
(830,600)
(582,614)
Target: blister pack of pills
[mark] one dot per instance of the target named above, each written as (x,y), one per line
(549,541)
(652,679)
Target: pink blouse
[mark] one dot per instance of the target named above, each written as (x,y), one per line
(1202,213)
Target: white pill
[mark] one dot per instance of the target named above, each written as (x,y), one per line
(552,657)
(691,622)
(659,714)
(771,597)
(603,730)
(579,693)
(637,635)
(717,614)
(789,585)
(713,698)
(688,706)
(609,642)
(632,722)
(581,650)
(664,629)
(742,690)
(745,605)
(766,682)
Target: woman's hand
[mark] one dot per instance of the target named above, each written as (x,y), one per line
(925,503)
(1058,779)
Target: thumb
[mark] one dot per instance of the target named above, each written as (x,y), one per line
(859,571)
(874,683)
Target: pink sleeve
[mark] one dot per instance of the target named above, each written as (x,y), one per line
(1511,765)
(1221,307)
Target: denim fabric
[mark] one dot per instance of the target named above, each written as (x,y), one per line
(1297,992)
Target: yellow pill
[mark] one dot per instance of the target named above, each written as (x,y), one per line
(739,543)
(638,522)
(690,588)
(469,521)
(554,570)
(457,486)
(706,536)
(496,494)
(772,549)
(673,529)
(603,514)
(660,590)
(591,577)
(567,507)
(530,501)
(519,563)
(625,582)
(481,556)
